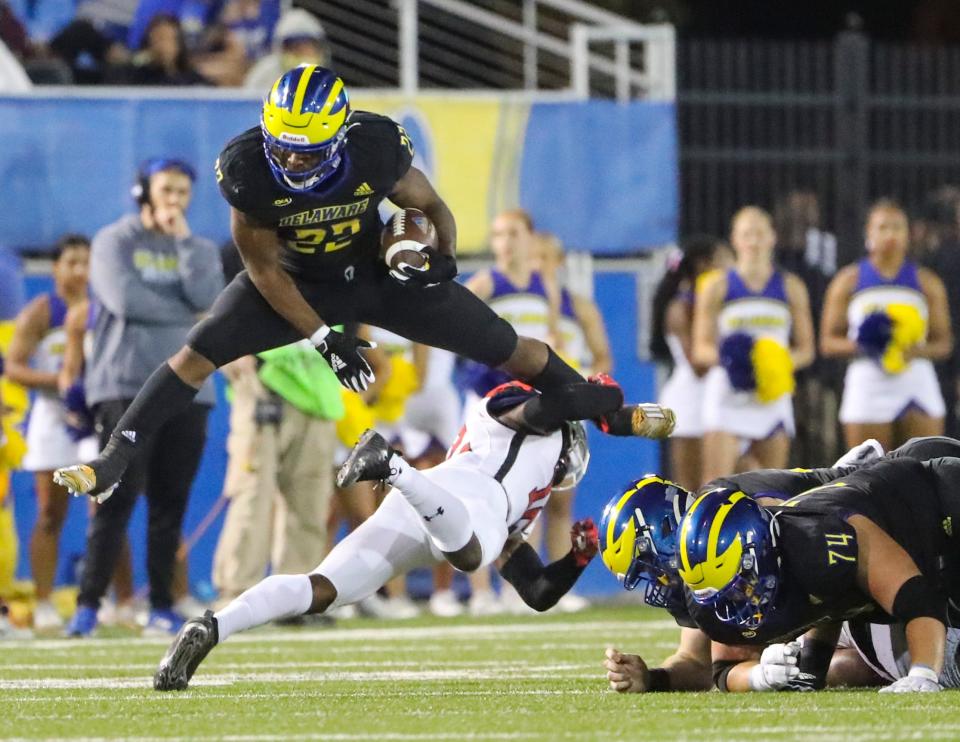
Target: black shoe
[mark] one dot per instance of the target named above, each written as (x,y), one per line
(193,642)
(369,461)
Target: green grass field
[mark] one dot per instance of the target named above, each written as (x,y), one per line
(466,679)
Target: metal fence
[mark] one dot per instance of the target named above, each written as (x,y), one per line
(848,119)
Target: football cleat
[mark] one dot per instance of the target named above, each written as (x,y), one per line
(369,461)
(643,420)
(194,642)
(81,479)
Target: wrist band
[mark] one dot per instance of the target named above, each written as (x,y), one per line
(320,335)
(659,680)
(923,671)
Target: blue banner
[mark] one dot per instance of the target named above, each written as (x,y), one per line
(601,175)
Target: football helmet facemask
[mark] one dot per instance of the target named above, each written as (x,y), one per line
(638,534)
(304,125)
(729,558)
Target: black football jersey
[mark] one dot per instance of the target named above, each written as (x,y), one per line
(325,230)
(780,483)
(818,547)
(926,448)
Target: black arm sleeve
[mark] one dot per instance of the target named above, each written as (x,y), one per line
(540,586)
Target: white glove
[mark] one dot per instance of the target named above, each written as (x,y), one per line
(778,666)
(869,450)
(920,679)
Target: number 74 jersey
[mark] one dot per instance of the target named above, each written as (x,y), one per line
(338,225)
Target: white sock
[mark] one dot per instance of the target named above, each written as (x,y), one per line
(277,596)
(444,516)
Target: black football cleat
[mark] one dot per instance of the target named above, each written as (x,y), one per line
(193,642)
(369,461)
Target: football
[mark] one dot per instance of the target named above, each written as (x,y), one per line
(404,236)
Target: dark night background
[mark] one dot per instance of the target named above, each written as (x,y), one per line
(922,21)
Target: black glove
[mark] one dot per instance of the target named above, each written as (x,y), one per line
(437,268)
(343,355)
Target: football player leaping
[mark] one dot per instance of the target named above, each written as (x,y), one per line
(638,534)
(304,188)
(475,508)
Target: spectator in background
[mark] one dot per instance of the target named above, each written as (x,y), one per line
(34,360)
(151,278)
(195,17)
(671,343)
(582,341)
(78,326)
(891,318)
(519,294)
(935,236)
(11,451)
(91,55)
(162,58)
(810,253)
(241,34)
(280,472)
(299,39)
(752,328)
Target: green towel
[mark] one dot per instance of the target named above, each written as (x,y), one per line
(300,375)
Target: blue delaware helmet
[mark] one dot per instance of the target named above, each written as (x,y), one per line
(304,125)
(728,556)
(638,538)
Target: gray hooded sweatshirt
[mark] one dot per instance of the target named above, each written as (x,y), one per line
(149,289)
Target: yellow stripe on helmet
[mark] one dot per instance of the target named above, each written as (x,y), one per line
(717,524)
(332,97)
(623,501)
(297,108)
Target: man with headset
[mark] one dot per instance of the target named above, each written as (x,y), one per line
(150,277)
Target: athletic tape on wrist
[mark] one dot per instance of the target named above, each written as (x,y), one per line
(923,671)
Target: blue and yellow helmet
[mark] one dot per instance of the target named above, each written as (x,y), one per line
(728,556)
(304,125)
(638,533)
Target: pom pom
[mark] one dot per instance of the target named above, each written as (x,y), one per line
(401,383)
(773,369)
(909,327)
(874,334)
(735,357)
(358,418)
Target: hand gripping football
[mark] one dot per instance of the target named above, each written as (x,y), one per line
(404,235)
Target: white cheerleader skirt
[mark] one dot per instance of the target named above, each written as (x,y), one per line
(741,413)
(871,395)
(683,393)
(49,446)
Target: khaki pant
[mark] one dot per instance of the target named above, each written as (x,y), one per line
(279,482)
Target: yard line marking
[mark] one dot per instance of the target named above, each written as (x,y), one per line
(553,671)
(366,634)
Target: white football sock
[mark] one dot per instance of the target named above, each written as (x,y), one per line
(277,596)
(444,516)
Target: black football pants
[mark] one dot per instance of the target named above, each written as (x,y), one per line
(446,316)
(163,469)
